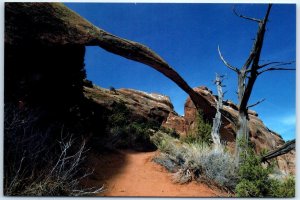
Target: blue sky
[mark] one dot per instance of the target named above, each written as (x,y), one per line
(187,36)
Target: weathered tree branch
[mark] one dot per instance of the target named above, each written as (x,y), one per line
(226,63)
(255,57)
(287,147)
(255,104)
(246,78)
(276,69)
(245,17)
(277,64)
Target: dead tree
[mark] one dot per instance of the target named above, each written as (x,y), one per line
(287,147)
(215,132)
(247,76)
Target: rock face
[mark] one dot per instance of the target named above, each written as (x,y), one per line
(55,24)
(41,39)
(147,106)
(159,108)
(260,135)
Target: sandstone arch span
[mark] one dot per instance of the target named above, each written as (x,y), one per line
(55,24)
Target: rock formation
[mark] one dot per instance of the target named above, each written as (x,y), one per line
(50,24)
(44,44)
(156,107)
(146,106)
(260,135)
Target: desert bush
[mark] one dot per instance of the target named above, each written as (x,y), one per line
(63,178)
(123,132)
(132,135)
(55,179)
(172,132)
(37,165)
(219,167)
(253,177)
(255,180)
(183,176)
(201,133)
(196,161)
(164,160)
(283,188)
(214,165)
(119,115)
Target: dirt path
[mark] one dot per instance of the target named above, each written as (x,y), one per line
(130,173)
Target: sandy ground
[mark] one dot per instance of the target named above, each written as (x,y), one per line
(129,173)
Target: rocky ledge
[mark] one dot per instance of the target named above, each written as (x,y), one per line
(157,107)
(147,106)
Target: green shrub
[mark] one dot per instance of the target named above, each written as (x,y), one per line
(253,177)
(119,115)
(171,132)
(283,188)
(201,133)
(255,181)
(167,144)
(246,188)
(122,132)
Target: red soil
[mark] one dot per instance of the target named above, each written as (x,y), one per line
(130,173)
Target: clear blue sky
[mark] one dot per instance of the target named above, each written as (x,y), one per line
(187,36)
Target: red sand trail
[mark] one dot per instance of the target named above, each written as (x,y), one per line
(130,173)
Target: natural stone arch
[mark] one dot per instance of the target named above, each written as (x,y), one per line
(61,26)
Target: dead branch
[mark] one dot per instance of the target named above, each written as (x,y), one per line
(287,147)
(245,17)
(276,69)
(277,64)
(226,63)
(254,59)
(255,104)
(247,76)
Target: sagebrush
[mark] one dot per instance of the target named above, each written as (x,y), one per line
(214,165)
(195,161)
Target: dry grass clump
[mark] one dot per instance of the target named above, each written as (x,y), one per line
(182,176)
(60,178)
(195,161)
(37,165)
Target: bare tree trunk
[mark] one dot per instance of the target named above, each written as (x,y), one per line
(241,85)
(242,126)
(215,132)
(247,76)
(242,135)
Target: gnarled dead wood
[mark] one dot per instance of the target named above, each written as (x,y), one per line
(287,147)
(215,131)
(247,76)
